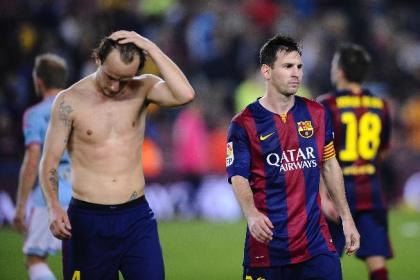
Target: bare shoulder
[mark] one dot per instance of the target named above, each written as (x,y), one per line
(85,85)
(62,100)
(62,95)
(149,78)
(146,81)
(70,98)
(75,94)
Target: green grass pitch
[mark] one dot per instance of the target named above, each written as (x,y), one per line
(206,251)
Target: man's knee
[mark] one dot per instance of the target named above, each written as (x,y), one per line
(375,262)
(33,260)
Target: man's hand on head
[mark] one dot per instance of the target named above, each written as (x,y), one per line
(124,37)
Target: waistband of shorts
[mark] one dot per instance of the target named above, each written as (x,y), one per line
(80,204)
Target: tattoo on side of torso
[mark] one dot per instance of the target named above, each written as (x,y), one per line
(54,179)
(133,196)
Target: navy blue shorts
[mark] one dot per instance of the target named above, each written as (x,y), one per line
(110,238)
(373,229)
(322,267)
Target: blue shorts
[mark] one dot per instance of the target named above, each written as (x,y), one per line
(326,267)
(373,229)
(110,238)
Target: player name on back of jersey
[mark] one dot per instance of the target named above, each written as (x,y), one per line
(359,101)
(355,170)
(293,159)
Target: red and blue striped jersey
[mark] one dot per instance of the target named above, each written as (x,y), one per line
(362,129)
(281,157)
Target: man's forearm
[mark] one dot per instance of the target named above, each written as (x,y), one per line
(244,195)
(27,178)
(338,197)
(49,183)
(27,175)
(173,76)
(333,179)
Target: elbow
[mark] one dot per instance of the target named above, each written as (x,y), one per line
(32,166)
(189,95)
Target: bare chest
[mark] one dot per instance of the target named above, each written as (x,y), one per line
(108,121)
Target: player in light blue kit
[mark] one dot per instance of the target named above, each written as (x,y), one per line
(49,76)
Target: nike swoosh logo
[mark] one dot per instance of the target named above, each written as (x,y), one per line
(264,137)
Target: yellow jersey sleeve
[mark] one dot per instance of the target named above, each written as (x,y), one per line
(329,151)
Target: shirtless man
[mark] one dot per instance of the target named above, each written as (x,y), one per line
(101,119)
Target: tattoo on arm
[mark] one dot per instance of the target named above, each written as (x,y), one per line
(54,179)
(63,114)
(133,196)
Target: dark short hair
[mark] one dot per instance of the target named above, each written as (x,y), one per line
(269,50)
(127,52)
(51,69)
(355,62)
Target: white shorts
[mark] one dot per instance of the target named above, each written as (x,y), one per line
(39,239)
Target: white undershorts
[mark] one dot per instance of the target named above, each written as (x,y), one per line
(39,239)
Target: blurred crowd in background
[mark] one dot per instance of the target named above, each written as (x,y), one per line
(216,44)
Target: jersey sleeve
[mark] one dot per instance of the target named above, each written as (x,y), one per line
(237,155)
(31,128)
(329,151)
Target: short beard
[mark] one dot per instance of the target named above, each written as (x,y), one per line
(289,93)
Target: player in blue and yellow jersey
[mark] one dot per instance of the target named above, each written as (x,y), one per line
(50,76)
(362,132)
(278,149)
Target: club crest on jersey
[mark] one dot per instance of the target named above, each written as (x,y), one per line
(229,153)
(305,129)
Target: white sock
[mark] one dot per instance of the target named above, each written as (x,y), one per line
(40,271)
